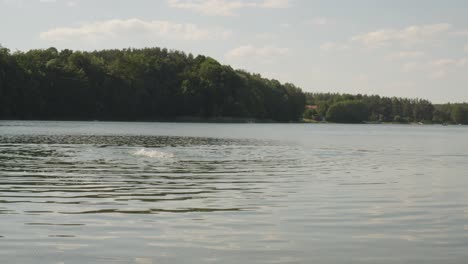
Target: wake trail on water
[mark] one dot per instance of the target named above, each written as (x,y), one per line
(151,153)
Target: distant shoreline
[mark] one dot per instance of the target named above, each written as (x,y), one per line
(160,85)
(224,120)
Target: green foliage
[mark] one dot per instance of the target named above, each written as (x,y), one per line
(350,111)
(459,114)
(136,84)
(399,119)
(441,115)
(382,109)
(451,113)
(310,114)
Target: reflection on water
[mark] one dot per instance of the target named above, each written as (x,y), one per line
(77,192)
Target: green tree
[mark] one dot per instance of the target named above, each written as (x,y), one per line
(351,111)
(459,115)
(136,84)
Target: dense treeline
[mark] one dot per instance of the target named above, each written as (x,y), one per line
(136,84)
(454,113)
(347,108)
(155,84)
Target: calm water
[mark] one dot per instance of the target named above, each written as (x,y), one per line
(96,192)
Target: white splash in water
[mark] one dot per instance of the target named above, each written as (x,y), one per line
(151,153)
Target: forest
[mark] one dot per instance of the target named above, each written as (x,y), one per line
(157,84)
(347,108)
(137,84)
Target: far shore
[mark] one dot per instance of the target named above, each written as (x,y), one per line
(228,120)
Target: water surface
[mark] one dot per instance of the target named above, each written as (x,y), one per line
(103,192)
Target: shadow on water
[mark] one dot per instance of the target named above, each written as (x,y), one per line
(113,141)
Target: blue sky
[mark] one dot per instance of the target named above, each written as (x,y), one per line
(395,48)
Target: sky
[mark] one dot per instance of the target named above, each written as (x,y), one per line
(416,48)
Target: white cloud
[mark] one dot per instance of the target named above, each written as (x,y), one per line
(225,7)
(362,78)
(333,46)
(267,36)
(275,3)
(319,21)
(413,66)
(249,51)
(439,74)
(462,62)
(449,62)
(406,55)
(67,3)
(443,62)
(134,27)
(418,42)
(460,33)
(24,3)
(436,69)
(406,36)
(14,3)
(211,7)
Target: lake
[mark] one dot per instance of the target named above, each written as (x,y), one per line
(110,192)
